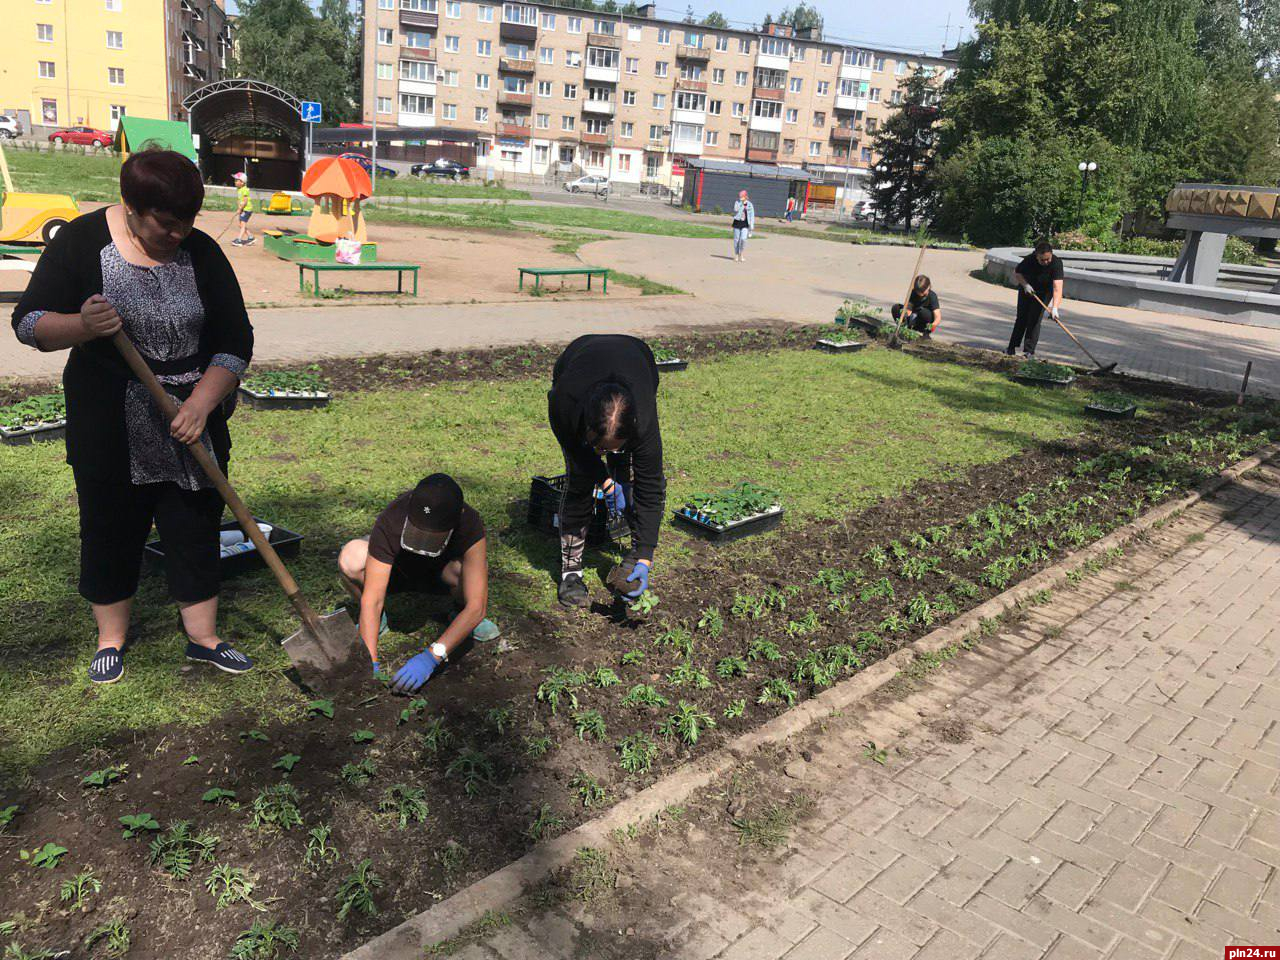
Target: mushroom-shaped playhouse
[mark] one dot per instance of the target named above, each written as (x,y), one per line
(337,185)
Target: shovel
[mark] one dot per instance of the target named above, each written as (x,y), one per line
(325,646)
(894,342)
(1100,369)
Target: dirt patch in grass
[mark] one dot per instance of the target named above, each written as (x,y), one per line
(951,729)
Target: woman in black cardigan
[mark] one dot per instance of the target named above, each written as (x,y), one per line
(140,265)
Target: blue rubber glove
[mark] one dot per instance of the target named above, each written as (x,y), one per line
(376,671)
(616,499)
(641,574)
(415,673)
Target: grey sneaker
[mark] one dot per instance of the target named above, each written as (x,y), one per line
(573,592)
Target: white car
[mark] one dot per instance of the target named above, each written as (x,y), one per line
(588,184)
(864,210)
(9,127)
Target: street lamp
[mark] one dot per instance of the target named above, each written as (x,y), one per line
(1085,167)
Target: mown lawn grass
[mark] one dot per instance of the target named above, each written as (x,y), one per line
(84,176)
(406,185)
(501,216)
(830,432)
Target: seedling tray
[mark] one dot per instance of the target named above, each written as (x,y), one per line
(873,325)
(544,513)
(725,532)
(1045,381)
(669,365)
(283,399)
(1113,413)
(286,543)
(40,432)
(831,346)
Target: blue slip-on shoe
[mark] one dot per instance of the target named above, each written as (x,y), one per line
(224,656)
(107,666)
(485,632)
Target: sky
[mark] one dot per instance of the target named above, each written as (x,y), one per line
(916,25)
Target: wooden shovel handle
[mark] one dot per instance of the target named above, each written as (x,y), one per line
(906,301)
(210,466)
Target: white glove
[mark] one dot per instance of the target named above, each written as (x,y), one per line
(1053,312)
(1029,289)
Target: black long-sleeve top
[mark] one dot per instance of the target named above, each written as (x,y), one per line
(587,361)
(96,379)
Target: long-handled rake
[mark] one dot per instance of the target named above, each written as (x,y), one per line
(894,341)
(1100,368)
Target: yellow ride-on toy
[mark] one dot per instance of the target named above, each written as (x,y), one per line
(281,204)
(32,217)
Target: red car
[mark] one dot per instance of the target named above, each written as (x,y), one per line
(87,136)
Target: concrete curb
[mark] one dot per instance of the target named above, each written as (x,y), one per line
(503,887)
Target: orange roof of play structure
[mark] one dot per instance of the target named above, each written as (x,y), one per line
(337,176)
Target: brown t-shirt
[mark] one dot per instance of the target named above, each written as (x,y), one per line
(384,542)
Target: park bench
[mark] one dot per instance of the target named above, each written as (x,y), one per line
(315,266)
(539,272)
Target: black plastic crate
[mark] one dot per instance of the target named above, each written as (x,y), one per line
(42,433)
(286,544)
(544,512)
(831,346)
(1048,382)
(278,401)
(665,366)
(1111,413)
(722,533)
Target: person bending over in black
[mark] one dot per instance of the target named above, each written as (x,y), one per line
(923,311)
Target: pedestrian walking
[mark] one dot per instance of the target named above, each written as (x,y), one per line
(791,209)
(139,265)
(924,312)
(744,221)
(1038,275)
(244,209)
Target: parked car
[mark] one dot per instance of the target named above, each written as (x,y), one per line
(442,168)
(10,127)
(86,136)
(864,210)
(367,165)
(588,184)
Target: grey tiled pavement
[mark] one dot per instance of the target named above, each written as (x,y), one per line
(1117,797)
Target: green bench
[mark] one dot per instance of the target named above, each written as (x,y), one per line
(539,272)
(315,266)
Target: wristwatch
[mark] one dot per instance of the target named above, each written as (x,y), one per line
(439,651)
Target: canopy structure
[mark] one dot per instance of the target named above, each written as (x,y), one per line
(138,133)
(251,126)
(337,185)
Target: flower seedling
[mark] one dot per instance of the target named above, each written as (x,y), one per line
(1040,370)
(358,774)
(362,736)
(136,824)
(435,737)
(736,708)
(917,568)
(748,607)
(286,763)
(404,803)
(499,718)
(544,822)
(286,383)
(265,940)
(686,674)
(762,649)
(730,506)
(473,768)
(875,754)
(451,857)
(687,723)
(816,669)
(665,355)
(587,788)
(880,589)
(632,657)
(177,850)
(637,753)
(537,746)
(43,410)
(1112,401)
(256,736)
(320,708)
(604,677)
(46,857)
(115,933)
(711,621)
(77,891)
(777,690)
(416,705)
(560,683)
(644,603)
(229,885)
(731,667)
(893,624)
(804,626)
(643,695)
(276,808)
(876,557)
(101,779)
(678,639)
(355,893)
(7,815)
(191,760)
(920,610)
(319,850)
(588,723)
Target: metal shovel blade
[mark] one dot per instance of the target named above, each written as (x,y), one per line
(334,650)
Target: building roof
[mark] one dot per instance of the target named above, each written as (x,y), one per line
(138,132)
(766,171)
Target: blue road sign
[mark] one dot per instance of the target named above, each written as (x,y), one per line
(311,112)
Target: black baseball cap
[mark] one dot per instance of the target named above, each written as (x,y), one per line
(434,508)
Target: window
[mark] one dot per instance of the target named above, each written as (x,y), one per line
(690,71)
(544,88)
(744,46)
(411,70)
(633,65)
(484,48)
(878,63)
(451,44)
(604,26)
(815,148)
(573,58)
(717,75)
(740,78)
(484,13)
(451,111)
(661,68)
(414,103)
(762,140)
(519,13)
(687,100)
(115,40)
(793,115)
(635,33)
(115,76)
(417,39)
(722,43)
(788,146)
(548,21)
(900,69)
(659,101)
(796,84)
(571,91)
(655,131)
(384,104)
(111,6)
(872,123)
(628,98)
(46,70)
(628,129)
(516,51)
(384,71)
(664,35)
(566,123)
(453,9)
(49,111)
(546,55)
(541,153)
(117,113)
(824,87)
(866,155)
(739,110)
(426,6)
(713,136)
(874,94)
(827,57)
(482,81)
(594,158)
(766,109)
(775,46)
(44,32)
(482,114)
(542,121)
(596,125)
(575,24)
(686,132)
(797,54)
(895,98)
(735,141)
(599,94)
(624,163)
(713,107)
(693,40)
(451,78)
(819,118)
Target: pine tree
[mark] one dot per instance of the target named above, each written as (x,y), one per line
(900,180)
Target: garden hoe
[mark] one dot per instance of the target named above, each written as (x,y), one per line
(1101,370)
(894,342)
(325,647)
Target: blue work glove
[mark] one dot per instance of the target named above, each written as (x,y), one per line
(639,574)
(415,673)
(615,499)
(376,671)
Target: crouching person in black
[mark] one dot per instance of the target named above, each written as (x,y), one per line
(923,310)
(603,410)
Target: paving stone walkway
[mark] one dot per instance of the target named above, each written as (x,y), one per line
(1114,793)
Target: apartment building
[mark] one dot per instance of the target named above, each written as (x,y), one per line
(549,87)
(90,62)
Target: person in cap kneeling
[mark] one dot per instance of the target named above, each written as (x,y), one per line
(427,539)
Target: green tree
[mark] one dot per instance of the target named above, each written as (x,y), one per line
(900,180)
(801,17)
(715,19)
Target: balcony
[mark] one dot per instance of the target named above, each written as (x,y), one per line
(768,93)
(510,98)
(425,88)
(851,71)
(686,52)
(756,155)
(517,131)
(606,40)
(418,53)
(846,133)
(769,124)
(773,61)
(693,86)
(688,148)
(599,139)
(419,20)
(417,119)
(847,104)
(515,65)
(600,107)
(520,32)
(601,74)
(695,117)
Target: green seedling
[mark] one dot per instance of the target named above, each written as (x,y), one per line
(747,607)
(103,778)
(776,599)
(587,788)
(475,770)
(777,690)
(276,808)
(893,624)
(591,875)
(637,753)
(899,550)
(46,857)
(686,674)
(731,667)
(735,503)
(255,735)
(77,891)
(7,815)
(358,774)
(285,381)
(319,850)
(632,657)
(178,850)
(265,940)
(115,934)
(320,708)
(136,824)
(560,684)
(499,718)
(881,589)
(831,580)
(588,723)
(840,604)
(417,705)
(286,763)
(191,760)
(687,724)
(678,639)
(816,669)
(644,603)
(735,709)
(643,695)
(875,754)
(407,804)
(218,795)
(355,893)
(917,568)
(920,610)
(434,736)
(49,408)
(229,885)
(604,677)
(451,857)
(762,649)
(876,557)
(711,621)
(362,736)
(545,822)
(804,626)
(537,746)
(1040,370)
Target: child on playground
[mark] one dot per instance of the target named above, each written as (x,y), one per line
(244,209)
